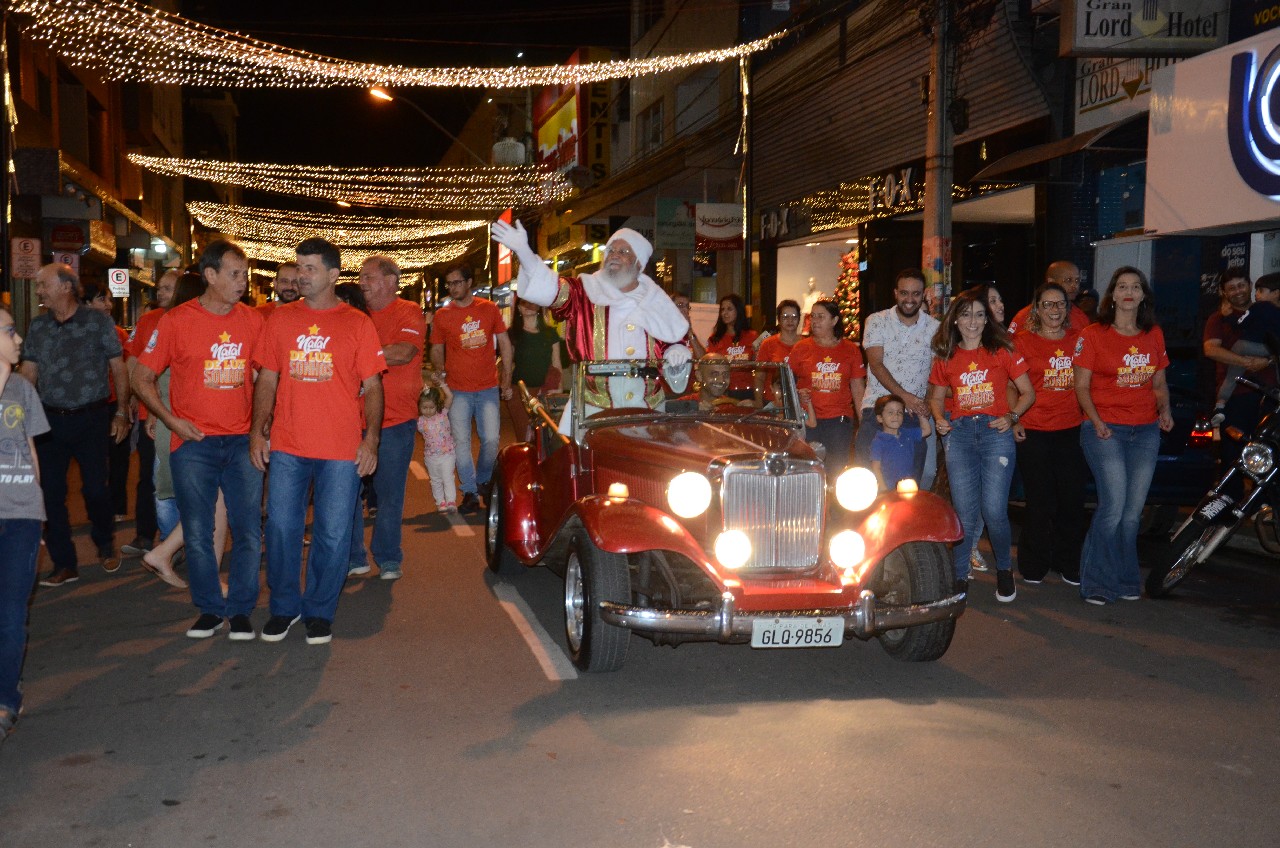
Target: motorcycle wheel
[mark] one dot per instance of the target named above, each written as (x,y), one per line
(1264,525)
(1176,561)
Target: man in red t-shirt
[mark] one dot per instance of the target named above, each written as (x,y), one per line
(319,363)
(207,344)
(285,288)
(463,336)
(402,331)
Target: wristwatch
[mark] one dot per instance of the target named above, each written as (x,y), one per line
(1013,417)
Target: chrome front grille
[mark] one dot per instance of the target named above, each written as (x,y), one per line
(778,503)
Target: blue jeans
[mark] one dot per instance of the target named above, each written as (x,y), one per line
(19,547)
(335,488)
(980,463)
(1122,468)
(483,407)
(395,450)
(167,516)
(200,469)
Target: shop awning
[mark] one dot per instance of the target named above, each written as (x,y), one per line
(1016,165)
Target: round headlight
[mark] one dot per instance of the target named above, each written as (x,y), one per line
(856,489)
(847,548)
(689,494)
(1257,459)
(733,548)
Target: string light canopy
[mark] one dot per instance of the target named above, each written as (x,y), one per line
(126,41)
(473,190)
(277,225)
(273,251)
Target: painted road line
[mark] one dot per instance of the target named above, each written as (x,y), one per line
(555,665)
(417,470)
(460,525)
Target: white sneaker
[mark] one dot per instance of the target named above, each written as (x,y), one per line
(354,570)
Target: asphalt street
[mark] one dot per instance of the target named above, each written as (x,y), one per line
(445,713)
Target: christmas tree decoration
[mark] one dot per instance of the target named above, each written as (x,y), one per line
(849,295)
(126,41)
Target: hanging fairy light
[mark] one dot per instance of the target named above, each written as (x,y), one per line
(247,222)
(474,190)
(352,258)
(126,41)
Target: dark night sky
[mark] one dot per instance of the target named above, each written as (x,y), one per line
(345,126)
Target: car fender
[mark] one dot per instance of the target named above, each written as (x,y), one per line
(624,526)
(897,519)
(515,466)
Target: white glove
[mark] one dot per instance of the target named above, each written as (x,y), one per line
(515,239)
(676,367)
(676,355)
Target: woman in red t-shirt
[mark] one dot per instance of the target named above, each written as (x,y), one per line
(1049,454)
(1120,382)
(777,348)
(973,363)
(831,375)
(733,336)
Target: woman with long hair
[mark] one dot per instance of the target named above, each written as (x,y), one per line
(1120,382)
(733,337)
(974,361)
(1049,454)
(831,375)
(536,349)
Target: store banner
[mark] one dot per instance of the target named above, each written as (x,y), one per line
(673,227)
(1213,150)
(718,226)
(1110,90)
(1142,27)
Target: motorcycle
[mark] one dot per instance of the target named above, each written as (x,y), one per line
(1218,516)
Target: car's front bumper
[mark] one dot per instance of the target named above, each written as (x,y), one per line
(863,619)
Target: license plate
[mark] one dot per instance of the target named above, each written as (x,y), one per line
(1211,510)
(797,632)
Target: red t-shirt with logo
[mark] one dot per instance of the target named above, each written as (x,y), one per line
(736,351)
(138,340)
(208,357)
(468,334)
(978,380)
(774,349)
(826,371)
(1053,378)
(1123,368)
(401,322)
(323,357)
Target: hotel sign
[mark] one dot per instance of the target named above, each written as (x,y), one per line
(1142,27)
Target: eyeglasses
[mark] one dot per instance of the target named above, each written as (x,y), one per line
(789,316)
(624,252)
(456,282)
(1067,280)
(1053,304)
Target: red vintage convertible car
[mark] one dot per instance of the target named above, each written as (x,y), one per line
(713,521)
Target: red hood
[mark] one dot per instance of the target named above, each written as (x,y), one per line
(691,444)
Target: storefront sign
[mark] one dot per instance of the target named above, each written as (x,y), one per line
(1142,27)
(1110,90)
(718,226)
(1214,145)
(673,227)
(1250,17)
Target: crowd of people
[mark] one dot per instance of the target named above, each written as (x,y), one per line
(241,414)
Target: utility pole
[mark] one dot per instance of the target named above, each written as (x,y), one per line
(938,165)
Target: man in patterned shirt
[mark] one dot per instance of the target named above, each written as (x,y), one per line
(896,344)
(67,355)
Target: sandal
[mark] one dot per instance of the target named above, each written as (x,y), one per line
(8,718)
(167,576)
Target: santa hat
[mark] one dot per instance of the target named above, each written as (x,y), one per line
(639,244)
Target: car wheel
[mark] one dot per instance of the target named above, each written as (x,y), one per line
(500,558)
(591,576)
(917,573)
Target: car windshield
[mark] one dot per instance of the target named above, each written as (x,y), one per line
(606,390)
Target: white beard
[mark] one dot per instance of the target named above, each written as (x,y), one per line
(618,279)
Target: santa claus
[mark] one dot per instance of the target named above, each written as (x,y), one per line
(616,313)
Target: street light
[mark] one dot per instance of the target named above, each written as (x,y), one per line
(380,93)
